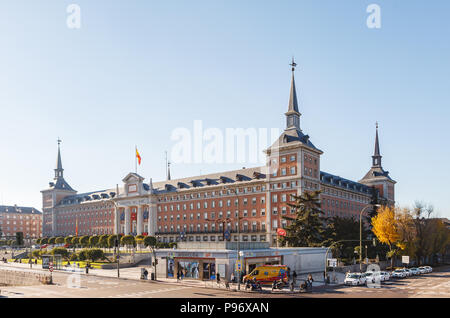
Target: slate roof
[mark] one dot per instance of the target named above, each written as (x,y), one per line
(88,197)
(236,177)
(293,137)
(18,209)
(330,179)
(377,173)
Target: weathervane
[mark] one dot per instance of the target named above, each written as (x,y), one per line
(293,64)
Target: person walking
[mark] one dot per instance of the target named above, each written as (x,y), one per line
(294,277)
(145,274)
(218,279)
(232,277)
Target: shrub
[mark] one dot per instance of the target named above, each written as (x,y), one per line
(73,257)
(82,255)
(172,245)
(60,251)
(95,254)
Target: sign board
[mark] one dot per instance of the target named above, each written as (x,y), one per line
(221,269)
(227,235)
(332,262)
(239,266)
(405,259)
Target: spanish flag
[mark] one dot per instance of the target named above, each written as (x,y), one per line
(76,227)
(138,156)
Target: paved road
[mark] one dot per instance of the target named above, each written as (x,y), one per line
(71,285)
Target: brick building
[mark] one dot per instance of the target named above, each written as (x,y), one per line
(200,208)
(15,219)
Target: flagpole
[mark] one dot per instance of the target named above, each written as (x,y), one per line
(135,158)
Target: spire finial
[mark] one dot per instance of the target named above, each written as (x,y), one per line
(59,141)
(293,64)
(376,124)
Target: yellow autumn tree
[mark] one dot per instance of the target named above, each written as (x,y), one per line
(386,227)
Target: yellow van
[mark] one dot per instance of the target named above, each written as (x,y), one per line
(268,274)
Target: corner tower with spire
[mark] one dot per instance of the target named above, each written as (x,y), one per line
(58,189)
(377,177)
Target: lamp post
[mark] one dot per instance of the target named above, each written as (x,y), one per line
(117,240)
(360,233)
(239,235)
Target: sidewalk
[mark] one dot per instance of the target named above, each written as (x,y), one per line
(134,273)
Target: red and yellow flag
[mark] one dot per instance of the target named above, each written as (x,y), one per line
(138,156)
(76,227)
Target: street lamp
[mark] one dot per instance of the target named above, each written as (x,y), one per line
(360,232)
(116,241)
(239,235)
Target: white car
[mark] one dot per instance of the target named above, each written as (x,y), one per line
(414,271)
(398,273)
(429,268)
(354,279)
(423,270)
(408,272)
(385,276)
(373,277)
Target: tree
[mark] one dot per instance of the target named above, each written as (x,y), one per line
(385,226)
(103,240)
(139,239)
(52,240)
(76,240)
(346,232)
(151,242)
(19,238)
(93,240)
(112,240)
(59,240)
(44,241)
(68,240)
(84,240)
(60,251)
(307,228)
(128,240)
(38,241)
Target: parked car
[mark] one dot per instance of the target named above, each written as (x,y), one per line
(354,279)
(415,271)
(373,277)
(385,276)
(408,272)
(423,270)
(398,273)
(429,268)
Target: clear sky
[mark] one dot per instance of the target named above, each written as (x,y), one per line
(136,70)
